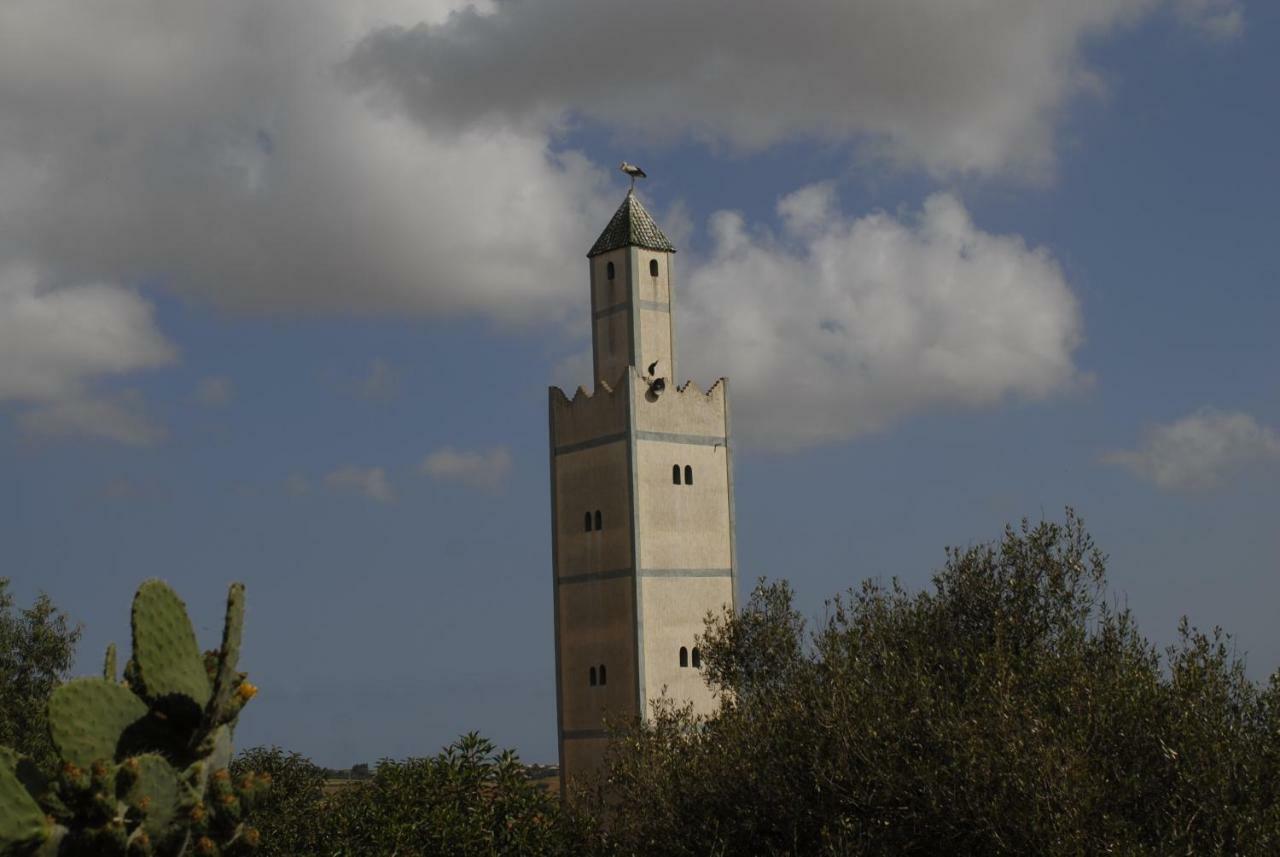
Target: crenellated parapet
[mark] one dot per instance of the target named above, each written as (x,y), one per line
(587,416)
(683,410)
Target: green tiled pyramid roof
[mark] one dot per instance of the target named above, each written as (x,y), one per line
(631,226)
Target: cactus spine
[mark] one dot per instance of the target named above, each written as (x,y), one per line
(143,761)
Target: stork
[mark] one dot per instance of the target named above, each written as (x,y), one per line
(633,171)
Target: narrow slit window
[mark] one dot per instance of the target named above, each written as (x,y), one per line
(604,678)
(675,474)
(591,676)
(599,525)
(653,267)
(586,522)
(684,657)
(697,658)
(608,271)
(688,474)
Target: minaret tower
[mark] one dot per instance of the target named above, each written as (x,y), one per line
(641,503)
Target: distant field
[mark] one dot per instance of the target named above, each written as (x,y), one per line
(549,780)
(333,786)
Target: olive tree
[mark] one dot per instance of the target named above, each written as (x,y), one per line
(1009,709)
(37,647)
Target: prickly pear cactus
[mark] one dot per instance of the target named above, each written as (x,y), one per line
(144,761)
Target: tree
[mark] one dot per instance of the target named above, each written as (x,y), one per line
(1009,710)
(288,815)
(469,800)
(37,647)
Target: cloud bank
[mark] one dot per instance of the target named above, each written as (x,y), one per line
(1200,450)
(393,157)
(973,87)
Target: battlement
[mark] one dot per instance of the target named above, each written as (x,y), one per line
(683,410)
(587,416)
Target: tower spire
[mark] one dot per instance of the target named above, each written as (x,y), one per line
(631,226)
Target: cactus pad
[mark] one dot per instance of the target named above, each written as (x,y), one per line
(143,769)
(109,663)
(165,653)
(219,757)
(88,716)
(155,793)
(227,679)
(22,822)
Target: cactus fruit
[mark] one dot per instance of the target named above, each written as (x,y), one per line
(144,762)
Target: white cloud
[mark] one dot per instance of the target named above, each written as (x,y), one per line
(369,482)
(840,326)
(1221,20)
(55,341)
(485,470)
(219,151)
(215,392)
(121,418)
(1200,449)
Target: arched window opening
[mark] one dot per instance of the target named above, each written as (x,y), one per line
(598,524)
(592,676)
(688,474)
(603,676)
(608,271)
(653,267)
(586,522)
(675,474)
(697,658)
(684,657)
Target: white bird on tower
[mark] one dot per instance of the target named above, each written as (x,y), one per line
(633,171)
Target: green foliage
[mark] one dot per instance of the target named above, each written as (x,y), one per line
(142,765)
(37,647)
(469,800)
(1010,710)
(288,814)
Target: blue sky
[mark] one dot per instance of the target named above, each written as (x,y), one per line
(281,292)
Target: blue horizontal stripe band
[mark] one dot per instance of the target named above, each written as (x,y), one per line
(686,572)
(588,576)
(656,436)
(572,734)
